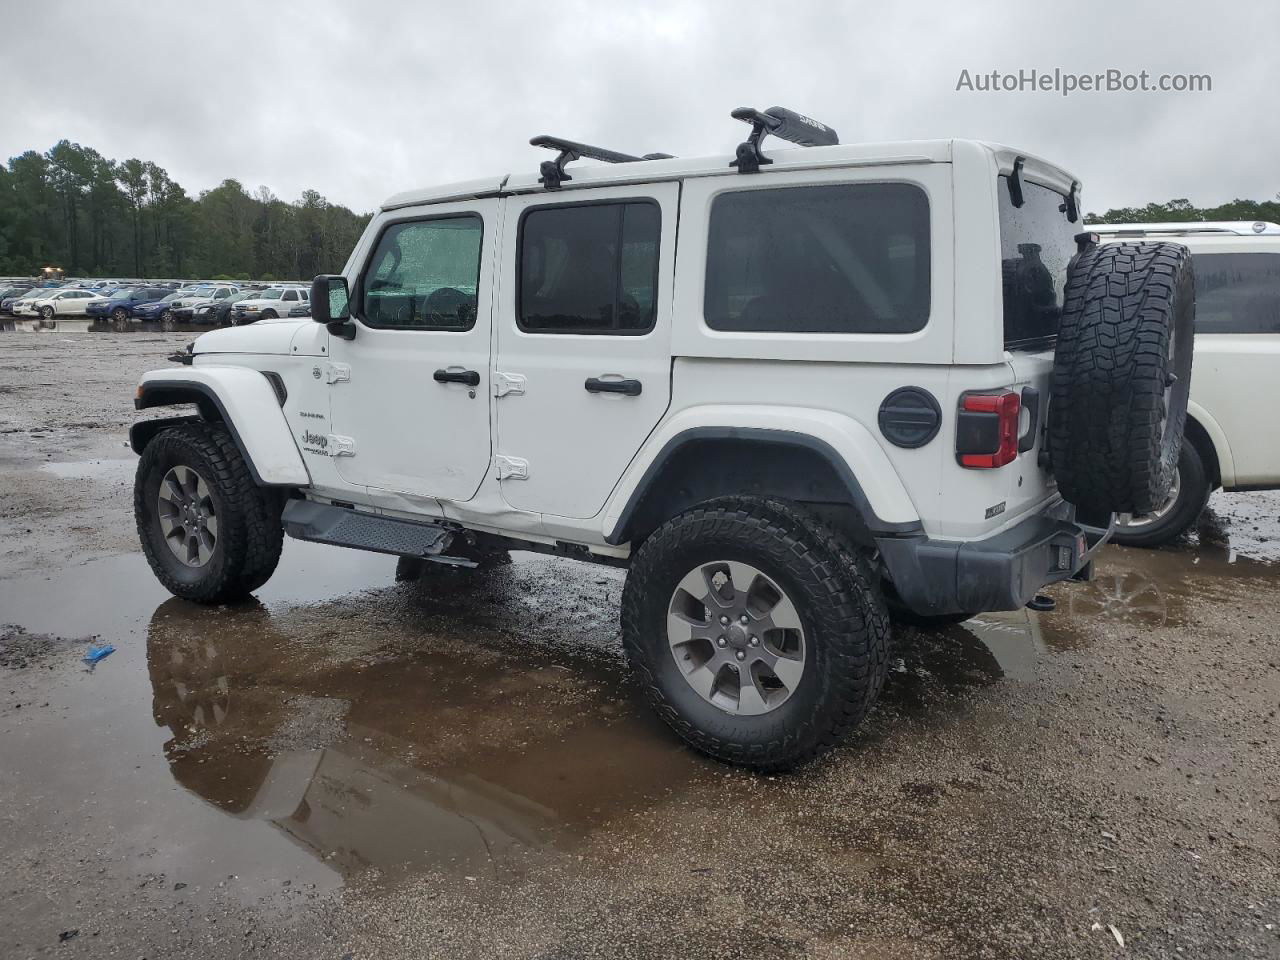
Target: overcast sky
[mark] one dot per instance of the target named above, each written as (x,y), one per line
(363,99)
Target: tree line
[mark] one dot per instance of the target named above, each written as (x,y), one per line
(1182,210)
(73,208)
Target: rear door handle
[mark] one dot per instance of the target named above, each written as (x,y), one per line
(469,377)
(630,387)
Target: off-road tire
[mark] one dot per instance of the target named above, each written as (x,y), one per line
(1115,418)
(250,532)
(1194,488)
(834,592)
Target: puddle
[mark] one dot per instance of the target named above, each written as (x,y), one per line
(342,722)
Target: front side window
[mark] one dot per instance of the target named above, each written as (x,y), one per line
(1037,242)
(1237,292)
(290,295)
(839,258)
(425,275)
(589,268)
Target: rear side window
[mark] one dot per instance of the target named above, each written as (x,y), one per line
(1237,292)
(1037,242)
(843,258)
(590,268)
(425,275)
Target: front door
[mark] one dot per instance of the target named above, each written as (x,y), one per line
(414,417)
(583,364)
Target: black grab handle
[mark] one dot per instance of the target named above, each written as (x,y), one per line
(630,387)
(469,377)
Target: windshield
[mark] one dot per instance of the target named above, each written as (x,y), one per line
(1037,242)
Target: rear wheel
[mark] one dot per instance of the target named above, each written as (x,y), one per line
(208,531)
(758,637)
(1186,501)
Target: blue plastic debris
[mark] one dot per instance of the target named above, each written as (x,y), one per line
(97,653)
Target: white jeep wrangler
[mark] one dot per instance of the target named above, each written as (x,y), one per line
(797,393)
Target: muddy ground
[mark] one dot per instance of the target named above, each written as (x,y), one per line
(352,766)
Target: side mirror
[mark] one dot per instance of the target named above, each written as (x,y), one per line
(330,299)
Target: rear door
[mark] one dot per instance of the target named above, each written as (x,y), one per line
(583,361)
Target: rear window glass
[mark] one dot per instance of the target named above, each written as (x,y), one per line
(840,258)
(1037,242)
(1237,292)
(591,268)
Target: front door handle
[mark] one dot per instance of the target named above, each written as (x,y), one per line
(630,387)
(469,377)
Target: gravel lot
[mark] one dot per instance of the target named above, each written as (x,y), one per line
(358,767)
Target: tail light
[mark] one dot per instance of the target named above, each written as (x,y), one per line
(987,429)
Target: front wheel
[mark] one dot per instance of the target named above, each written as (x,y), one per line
(209,532)
(119,320)
(166,322)
(1186,501)
(267,315)
(46,312)
(758,636)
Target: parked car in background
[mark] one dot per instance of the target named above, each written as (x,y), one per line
(184,306)
(47,304)
(1235,378)
(159,311)
(301,310)
(11,295)
(119,307)
(272,302)
(217,313)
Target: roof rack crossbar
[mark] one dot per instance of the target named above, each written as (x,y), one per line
(782,123)
(552,173)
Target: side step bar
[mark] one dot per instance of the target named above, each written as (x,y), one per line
(344,527)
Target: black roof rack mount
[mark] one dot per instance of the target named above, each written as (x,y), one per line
(552,172)
(782,123)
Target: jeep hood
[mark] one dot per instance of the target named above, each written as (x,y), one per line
(264,337)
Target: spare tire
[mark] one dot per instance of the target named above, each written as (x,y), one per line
(1122,376)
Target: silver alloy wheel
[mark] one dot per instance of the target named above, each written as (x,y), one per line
(736,637)
(1130,521)
(187,518)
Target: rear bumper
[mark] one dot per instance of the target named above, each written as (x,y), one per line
(1003,572)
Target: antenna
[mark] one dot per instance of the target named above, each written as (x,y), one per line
(552,173)
(785,125)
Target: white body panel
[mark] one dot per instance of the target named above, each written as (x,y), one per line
(248,401)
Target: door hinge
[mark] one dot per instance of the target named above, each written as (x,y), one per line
(337,372)
(512,468)
(504,383)
(342,446)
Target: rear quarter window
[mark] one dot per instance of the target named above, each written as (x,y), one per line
(1237,292)
(838,258)
(1037,242)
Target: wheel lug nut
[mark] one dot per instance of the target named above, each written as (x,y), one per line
(724,620)
(741,656)
(743,618)
(720,641)
(755,641)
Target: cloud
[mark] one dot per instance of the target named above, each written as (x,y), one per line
(361,100)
